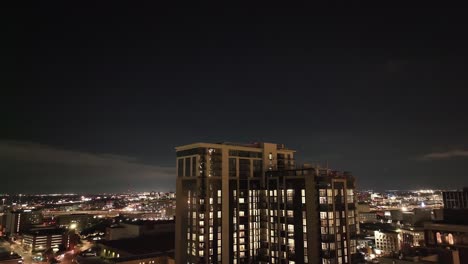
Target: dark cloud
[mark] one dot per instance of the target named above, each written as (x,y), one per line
(30,165)
(457,153)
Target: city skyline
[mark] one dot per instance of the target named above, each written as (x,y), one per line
(98,97)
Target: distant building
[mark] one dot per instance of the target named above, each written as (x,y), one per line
(387,241)
(369,217)
(363,207)
(74,221)
(41,239)
(139,228)
(154,249)
(393,215)
(411,236)
(20,220)
(247,203)
(417,217)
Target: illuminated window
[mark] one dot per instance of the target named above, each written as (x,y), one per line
(450,239)
(323,215)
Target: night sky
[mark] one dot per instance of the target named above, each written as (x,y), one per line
(95,98)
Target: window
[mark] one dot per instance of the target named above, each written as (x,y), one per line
(257,168)
(232,167)
(194,166)
(187,167)
(323,192)
(450,239)
(180,167)
(323,215)
(290,195)
(244,168)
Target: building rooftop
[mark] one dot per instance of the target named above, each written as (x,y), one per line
(44,231)
(149,222)
(143,245)
(258,145)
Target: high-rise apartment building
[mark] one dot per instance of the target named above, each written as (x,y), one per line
(248,204)
(311,217)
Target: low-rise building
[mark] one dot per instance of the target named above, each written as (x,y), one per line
(41,239)
(387,241)
(417,217)
(411,236)
(369,217)
(74,221)
(139,228)
(154,249)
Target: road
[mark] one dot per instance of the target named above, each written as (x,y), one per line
(66,258)
(18,249)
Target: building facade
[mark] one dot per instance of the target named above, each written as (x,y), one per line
(311,217)
(387,241)
(452,232)
(41,239)
(456,199)
(20,220)
(243,204)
